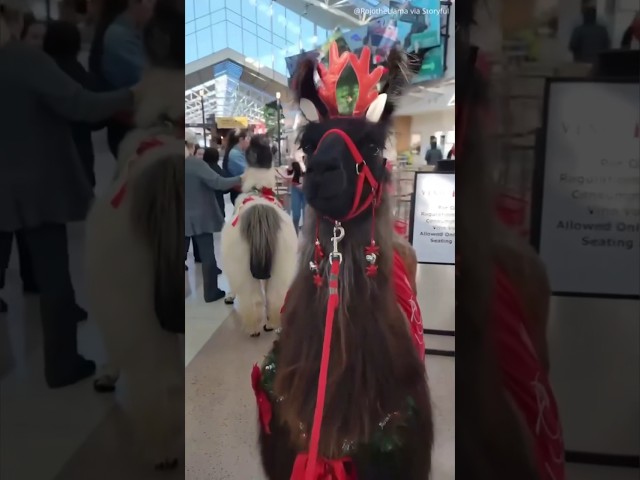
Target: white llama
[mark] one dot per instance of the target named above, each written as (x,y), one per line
(259,245)
(134,266)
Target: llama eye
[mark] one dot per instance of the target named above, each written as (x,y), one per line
(308,149)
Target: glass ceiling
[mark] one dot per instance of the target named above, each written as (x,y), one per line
(264,32)
(225,96)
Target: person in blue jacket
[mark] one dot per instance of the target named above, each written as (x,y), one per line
(234,162)
(117,54)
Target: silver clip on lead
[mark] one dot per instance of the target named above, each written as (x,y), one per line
(338,235)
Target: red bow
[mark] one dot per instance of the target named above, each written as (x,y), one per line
(144,147)
(264,405)
(342,469)
(265,193)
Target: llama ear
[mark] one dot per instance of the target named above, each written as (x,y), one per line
(309,110)
(304,87)
(375,110)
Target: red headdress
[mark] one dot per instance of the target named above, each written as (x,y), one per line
(367,81)
(327,83)
(371,104)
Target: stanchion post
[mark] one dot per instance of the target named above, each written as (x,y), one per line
(278,120)
(204,128)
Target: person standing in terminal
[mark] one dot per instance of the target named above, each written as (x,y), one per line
(211,157)
(117,53)
(452,153)
(297,195)
(63,43)
(434,154)
(43,187)
(590,38)
(202,216)
(234,162)
(632,33)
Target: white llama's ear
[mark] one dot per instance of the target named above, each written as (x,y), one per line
(374,112)
(309,110)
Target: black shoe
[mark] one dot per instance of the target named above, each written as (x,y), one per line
(219,295)
(218,271)
(83,369)
(3,306)
(197,260)
(105,384)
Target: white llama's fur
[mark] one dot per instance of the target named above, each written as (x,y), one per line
(254,297)
(120,275)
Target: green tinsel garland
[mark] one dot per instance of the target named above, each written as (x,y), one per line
(387,438)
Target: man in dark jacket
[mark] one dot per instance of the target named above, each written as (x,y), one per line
(434,154)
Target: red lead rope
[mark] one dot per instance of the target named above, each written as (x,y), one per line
(332,304)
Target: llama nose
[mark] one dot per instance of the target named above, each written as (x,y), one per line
(328,156)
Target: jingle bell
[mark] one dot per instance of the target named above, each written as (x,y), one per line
(371,258)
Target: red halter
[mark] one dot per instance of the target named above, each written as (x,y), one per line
(364,173)
(313,467)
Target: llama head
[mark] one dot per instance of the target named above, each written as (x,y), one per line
(345,164)
(160,97)
(259,173)
(258,153)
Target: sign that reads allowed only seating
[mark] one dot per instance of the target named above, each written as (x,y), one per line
(433,218)
(588,213)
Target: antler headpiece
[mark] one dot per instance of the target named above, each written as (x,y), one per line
(368,102)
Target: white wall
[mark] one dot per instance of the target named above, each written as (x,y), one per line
(428,124)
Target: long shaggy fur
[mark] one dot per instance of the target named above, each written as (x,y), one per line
(131,275)
(133,265)
(260,228)
(262,244)
(490,437)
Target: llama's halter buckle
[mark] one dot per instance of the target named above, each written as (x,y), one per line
(338,235)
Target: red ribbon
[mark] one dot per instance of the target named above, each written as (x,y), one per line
(342,469)
(144,147)
(311,472)
(265,193)
(264,405)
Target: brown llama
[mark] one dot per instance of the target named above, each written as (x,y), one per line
(507,424)
(343,393)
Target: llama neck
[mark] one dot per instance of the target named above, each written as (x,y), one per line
(352,247)
(160,97)
(258,178)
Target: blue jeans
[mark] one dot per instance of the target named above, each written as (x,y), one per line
(297,205)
